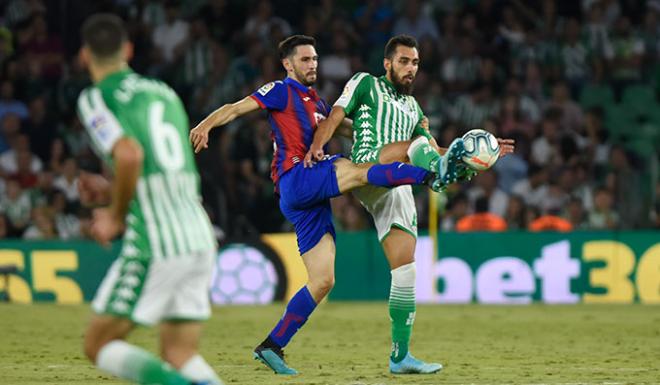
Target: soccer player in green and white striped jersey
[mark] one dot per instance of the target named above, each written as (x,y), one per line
(385,119)
(139,126)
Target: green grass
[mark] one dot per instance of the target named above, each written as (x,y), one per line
(348,343)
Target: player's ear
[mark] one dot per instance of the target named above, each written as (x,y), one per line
(286,63)
(83,56)
(387,64)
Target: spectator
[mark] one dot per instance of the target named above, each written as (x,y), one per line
(575,214)
(628,55)
(262,21)
(574,57)
(482,219)
(40,128)
(9,104)
(515,216)
(43,226)
(16,205)
(68,181)
(534,188)
(571,118)
(44,49)
(67,225)
(460,70)
(602,216)
(472,110)
(11,126)
(169,37)
(485,185)
(627,183)
(550,223)
(415,23)
(9,159)
(545,149)
(457,208)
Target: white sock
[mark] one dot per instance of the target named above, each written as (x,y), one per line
(415,144)
(404,276)
(197,369)
(130,362)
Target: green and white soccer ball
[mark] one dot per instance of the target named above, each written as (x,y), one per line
(243,275)
(481,149)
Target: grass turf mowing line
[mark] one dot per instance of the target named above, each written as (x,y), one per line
(348,344)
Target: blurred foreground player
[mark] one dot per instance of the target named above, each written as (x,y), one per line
(139,126)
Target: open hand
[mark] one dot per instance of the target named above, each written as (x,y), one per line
(507,146)
(199,137)
(105,226)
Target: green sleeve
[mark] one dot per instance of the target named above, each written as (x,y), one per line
(101,123)
(419,130)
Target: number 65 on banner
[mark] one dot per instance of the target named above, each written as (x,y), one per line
(44,267)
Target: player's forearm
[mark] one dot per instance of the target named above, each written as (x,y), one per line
(219,117)
(128,158)
(345,129)
(327,127)
(228,113)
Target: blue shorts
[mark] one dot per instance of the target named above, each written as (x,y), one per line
(305,201)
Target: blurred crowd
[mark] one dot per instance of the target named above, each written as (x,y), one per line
(575,83)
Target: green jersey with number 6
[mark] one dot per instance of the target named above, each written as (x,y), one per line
(165,218)
(380,115)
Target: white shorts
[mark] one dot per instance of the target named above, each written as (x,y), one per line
(389,207)
(151,291)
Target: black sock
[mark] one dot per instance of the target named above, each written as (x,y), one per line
(268,343)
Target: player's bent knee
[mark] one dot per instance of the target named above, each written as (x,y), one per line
(321,286)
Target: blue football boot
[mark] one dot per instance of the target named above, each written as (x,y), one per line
(451,168)
(274,359)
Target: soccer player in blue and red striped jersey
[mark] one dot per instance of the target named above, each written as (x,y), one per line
(294,110)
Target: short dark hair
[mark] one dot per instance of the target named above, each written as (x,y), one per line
(104,34)
(390,47)
(288,46)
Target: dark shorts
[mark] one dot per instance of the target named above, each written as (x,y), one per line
(305,201)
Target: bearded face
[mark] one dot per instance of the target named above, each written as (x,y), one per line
(402,68)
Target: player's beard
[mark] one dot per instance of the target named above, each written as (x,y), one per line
(402,88)
(304,77)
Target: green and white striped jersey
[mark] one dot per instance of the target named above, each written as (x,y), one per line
(380,115)
(165,218)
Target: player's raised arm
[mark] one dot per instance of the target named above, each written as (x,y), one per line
(199,136)
(323,134)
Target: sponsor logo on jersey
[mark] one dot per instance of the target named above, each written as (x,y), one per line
(266,88)
(318,117)
(100,127)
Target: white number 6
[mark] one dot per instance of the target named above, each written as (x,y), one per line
(166,139)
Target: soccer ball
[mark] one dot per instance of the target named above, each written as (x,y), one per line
(243,275)
(481,149)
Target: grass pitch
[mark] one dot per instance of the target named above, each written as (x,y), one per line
(348,343)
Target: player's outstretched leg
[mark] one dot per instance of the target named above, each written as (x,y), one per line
(448,167)
(350,175)
(402,313)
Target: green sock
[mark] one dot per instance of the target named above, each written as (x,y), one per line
(402,309)
(137,365)
(422,155)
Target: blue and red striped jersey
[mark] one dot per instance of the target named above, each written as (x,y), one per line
(294,112)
